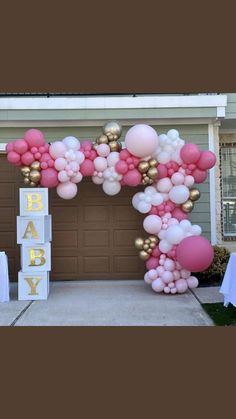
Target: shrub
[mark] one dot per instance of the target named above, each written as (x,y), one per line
(215,273)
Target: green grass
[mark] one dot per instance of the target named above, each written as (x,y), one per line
(221,316)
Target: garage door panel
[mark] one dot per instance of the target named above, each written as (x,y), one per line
(96,264)
(95,238)
(64,214)
(96,213)
(125,213)
(125,237)
(127,264)
(64,265)
(65,238)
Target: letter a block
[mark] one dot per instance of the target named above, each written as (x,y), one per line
(33,286)
(36,258)
(34,229)
(33,201)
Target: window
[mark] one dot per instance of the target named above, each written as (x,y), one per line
(228,174)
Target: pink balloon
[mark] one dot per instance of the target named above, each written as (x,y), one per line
(152,263)
(63,176)
(124,154)
(195,253)
(199,175)
(167,277)
(190,153)
(93,155)
(13,157)
(158,285)
(57,149)
(59,164)
(156,252)
(34,137)
(162,171)
(152,274)
(20,146)
(207,160)
(103,150)
(192,282)
(100,164)
(132,178)
(77,178)
(121,167)
(86,144)
(152,224)
(27,158)
(87,167)
(10,147)
(49,178)
(67,190)
(179,214)
(141,140)
(181,286)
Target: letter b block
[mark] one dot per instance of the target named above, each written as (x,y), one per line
(33,201)
(36,258)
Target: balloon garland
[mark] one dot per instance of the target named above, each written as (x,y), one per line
(165,165)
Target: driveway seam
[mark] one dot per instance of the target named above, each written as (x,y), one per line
(21,313)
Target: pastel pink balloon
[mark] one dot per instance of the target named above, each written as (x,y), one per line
(132,178)
(141,140)
(166,290)
(192,282)
(87,167)
(97,180)
(100,164)
(181,285)
(63,176)
(179,214)
(20,146)
(121,167)
(190,153)
(207,160)
(162,171)
(152,263)
(57,149)
(27,158)
(167,277)
(152,274)
(195,253)
(103,150)
(13,157)
(152,224)
(67,190)
(147,279)
(176,275)
(169,265)
(93,155)
(199,175)
(34,137)
(160,270)
(77,178)
(49,178)
(10,147)
(158,285)
(59,163)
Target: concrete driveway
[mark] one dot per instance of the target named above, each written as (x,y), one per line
(104,303)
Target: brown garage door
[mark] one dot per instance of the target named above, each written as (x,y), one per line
(93,234)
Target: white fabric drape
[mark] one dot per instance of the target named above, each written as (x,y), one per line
(228,287)
(4,278)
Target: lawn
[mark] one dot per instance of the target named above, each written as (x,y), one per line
(222,316)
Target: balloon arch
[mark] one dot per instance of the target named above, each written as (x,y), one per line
(164,164)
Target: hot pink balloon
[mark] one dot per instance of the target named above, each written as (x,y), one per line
(199,175)
(87,167)
(156,252)
(132,178)
(20,146)
(121,167)
(34,137)
(10,147)
(67,190)
(207,160)
(152,263)
(162,171)
(195,253)
(124,154)
(13,157)
(190,153)
(141,140)
(179,214)
(27,158)
(49,178)
(93,155)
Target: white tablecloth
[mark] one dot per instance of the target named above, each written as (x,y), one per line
(228,287)
(4,278)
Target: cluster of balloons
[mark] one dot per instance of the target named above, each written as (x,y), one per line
(175,247)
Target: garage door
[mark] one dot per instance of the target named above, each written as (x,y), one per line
(93,234)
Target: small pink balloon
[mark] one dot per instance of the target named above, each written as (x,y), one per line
(124,154)
(152,274)
(44,165)
(60,163)
(167,277)
(156,252)
(190,153)
(121,167)
(100,164)
(67,190)
(63,176)
(37,156)
(192,282)
(57,149)
(97,180)
(49,178)
(152,263)
(34,137)
(199,175)
(34,150)
(181,285)
(27,158)
(132,178)
(162,171)
(42,149)
(93,155)
(103,150)
(20,146)
(158,285)
(77,178)
(13,157)
(86,144)
(87,167)
(207,160)
(195,253)
(10,147)
(179,214)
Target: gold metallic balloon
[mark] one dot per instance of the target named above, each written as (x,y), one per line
(194,194)
(152,162)
(187,206)
(152,245)
(143,166)
(139,243)
(149,251)
(119,145)
(112,129)
(95,146)
(32,184)
(35,165)
(153,239)
(34,176)
(144,255)
(146,246)
(26,181)
(114,146)
(25,170)
(152,173)
(147,241)
(102,139)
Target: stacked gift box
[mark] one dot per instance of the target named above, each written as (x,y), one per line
(34,234)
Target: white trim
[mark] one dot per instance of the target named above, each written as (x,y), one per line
(3,147)
(212,187)
(115,102)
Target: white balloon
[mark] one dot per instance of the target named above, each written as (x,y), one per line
(150,190)
(185,225)
(179,194)
(97,180)
(158,285)
(71,143)
(156,199)
(165,246)
(164,185)
(111,188)
(189,181)
(177,179)
(162,139)
(144,207)
(173,134)
(163,157)
(113,158)
(100,164)
(162,234)
(136,200)
(174,234)
(80,157)
(196,230)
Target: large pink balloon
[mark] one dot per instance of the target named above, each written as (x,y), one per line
(141,140)
(152,263)
(13,157)
(190,153)
(87,167)
(49,178)
(207,160)
(132,178)
(34,138)
(121,167)
(67,190)
(20,146)
(27,158)
(10,147)
(195,253)
(179,214)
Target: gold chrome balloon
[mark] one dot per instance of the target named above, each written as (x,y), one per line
(194,194)
(153,239)
(102,139)
(152,245)
(143,166)
(144,255)
(119,145)
(114,146)
(113,130)
(187,206)
(35,165)
(146,246)
(139,243)
(149,251)
(152,173)
(34,176)
(32,184)
(25,170)
(26,181)
(152,162)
